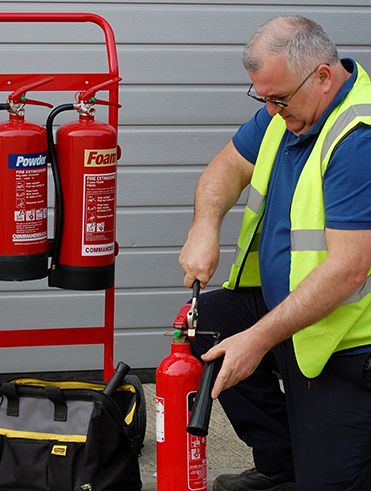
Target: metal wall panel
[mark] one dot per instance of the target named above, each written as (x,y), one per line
(183,96)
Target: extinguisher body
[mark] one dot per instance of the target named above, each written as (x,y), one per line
(87,160)
(23,200)
(181,457)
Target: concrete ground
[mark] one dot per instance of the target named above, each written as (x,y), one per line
(225,452)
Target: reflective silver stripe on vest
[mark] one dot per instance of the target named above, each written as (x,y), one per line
(308,240)
(361,292)
(342,122)
(236,254)
(254,199)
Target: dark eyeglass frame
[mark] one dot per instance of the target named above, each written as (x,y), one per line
(264,100)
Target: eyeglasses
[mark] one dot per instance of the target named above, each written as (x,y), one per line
(264,100)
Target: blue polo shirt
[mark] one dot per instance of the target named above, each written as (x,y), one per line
(346,187)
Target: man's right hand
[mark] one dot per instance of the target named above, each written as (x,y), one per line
(199,256)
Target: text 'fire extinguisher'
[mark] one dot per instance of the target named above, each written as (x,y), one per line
(183,407)
(84,166)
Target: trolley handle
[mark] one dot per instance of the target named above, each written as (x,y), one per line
(71,17)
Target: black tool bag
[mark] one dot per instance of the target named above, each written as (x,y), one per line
(68,436)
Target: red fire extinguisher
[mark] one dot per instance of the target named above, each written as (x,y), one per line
(23,191)
(84,165)
(181,457)
(183,406)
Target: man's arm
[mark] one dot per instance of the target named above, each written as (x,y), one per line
(218,189)
(317,296)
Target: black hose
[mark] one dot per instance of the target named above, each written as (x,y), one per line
(199,421)
(4,106)
(57,183)
(114,383)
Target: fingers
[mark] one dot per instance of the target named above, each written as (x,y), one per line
(227,378)
(213,353)
(221,381)
(240,361)
(190,279)
(199,260)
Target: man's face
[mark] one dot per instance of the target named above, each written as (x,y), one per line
(274,81)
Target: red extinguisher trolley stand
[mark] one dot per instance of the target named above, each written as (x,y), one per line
(75,83)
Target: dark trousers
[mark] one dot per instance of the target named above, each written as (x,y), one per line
(320,427)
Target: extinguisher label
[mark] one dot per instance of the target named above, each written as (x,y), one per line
(100,158)
(160,419)
(99,214)
(197,466)
(30,208)
(27,161)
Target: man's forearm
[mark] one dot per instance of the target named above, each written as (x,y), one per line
(316,297)
(218,189)
(221,185)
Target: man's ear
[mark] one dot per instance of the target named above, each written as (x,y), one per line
(325,76)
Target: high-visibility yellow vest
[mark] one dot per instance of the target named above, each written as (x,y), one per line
(350,325)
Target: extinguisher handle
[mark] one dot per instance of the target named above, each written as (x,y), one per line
(35,103)
(200,418)
(196,289)
(105,103)
(17,95)
(87,94)
(121,370)
(192,315)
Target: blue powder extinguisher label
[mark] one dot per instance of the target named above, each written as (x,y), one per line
(27,160)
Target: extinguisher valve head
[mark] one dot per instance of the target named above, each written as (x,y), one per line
(16,108)
(179,336)
(84,109)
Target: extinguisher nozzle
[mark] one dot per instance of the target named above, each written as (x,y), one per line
(200,418)
(121,371)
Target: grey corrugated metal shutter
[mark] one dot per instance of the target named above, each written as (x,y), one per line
(183,96)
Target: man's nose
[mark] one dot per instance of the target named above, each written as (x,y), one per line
(273,109)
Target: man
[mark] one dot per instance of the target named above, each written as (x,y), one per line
(298,301)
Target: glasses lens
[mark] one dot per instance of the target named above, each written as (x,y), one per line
(252,93)
(279,103)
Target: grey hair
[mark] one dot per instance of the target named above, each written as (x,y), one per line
(305,43)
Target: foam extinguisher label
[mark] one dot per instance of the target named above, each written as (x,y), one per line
(30,205)
(99,214)
(160,419)
(196,447)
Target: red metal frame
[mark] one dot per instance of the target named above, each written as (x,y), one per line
(69,82)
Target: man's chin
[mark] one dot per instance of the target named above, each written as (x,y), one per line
(294,125)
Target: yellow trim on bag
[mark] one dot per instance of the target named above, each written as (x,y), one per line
(69,384)
(129,417)
(42,436)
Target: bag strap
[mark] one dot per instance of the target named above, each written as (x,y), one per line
(55,395)
(10,392)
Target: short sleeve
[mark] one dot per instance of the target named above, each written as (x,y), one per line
(248,138)
(347,183)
